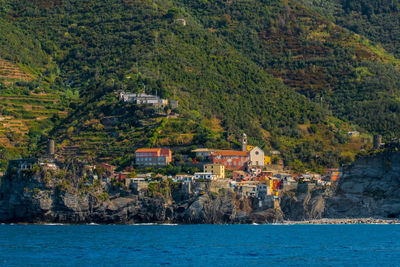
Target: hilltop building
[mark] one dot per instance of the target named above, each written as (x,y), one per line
(142,99)
(153,156)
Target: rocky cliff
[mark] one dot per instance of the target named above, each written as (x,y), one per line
(370,187)
(32,198)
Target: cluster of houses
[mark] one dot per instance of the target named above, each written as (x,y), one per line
(247,171)
(249,156)
(251,172)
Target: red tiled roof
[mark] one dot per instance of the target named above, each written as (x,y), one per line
(230,153)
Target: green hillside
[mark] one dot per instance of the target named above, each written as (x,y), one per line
(284,74)
(376,20)
(356,80)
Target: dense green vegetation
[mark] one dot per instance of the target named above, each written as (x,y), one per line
(376,20)
(343,72)
(279,71)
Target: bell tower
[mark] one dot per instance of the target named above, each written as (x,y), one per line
(244,142)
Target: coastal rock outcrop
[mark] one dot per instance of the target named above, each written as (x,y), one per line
(31,198)
(370,187)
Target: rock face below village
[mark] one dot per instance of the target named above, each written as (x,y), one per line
(370,187)
(32,200)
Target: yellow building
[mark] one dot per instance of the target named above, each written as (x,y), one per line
(267,160)
(217,169)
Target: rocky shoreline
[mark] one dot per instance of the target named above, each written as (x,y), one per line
(344,221)
(323,221)
(368,193)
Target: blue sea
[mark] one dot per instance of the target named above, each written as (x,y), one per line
(199,245)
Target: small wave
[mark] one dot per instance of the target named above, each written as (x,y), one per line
(145,224)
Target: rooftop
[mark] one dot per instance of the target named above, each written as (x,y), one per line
(204,150)
(231,153)
(148,150)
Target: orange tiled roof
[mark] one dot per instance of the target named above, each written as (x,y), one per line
(148,150)
(230,153)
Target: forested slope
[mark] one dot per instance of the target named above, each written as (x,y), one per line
(356,80)
(283,73)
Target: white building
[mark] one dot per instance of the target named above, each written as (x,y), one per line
(256,157)
(141,99)
(184,178)
(204,176)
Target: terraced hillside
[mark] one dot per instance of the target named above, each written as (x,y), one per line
(28,109)
(9,72)
(289,77)
(21,114)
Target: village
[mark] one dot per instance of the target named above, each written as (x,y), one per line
(247,172)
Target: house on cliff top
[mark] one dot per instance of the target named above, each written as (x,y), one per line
(143,99)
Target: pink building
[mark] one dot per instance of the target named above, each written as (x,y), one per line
(153,156)
(231,159)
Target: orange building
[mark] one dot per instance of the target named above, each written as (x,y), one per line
(231,159)
(334,174)
(153,156)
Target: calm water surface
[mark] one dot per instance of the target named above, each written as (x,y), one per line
(199,245)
